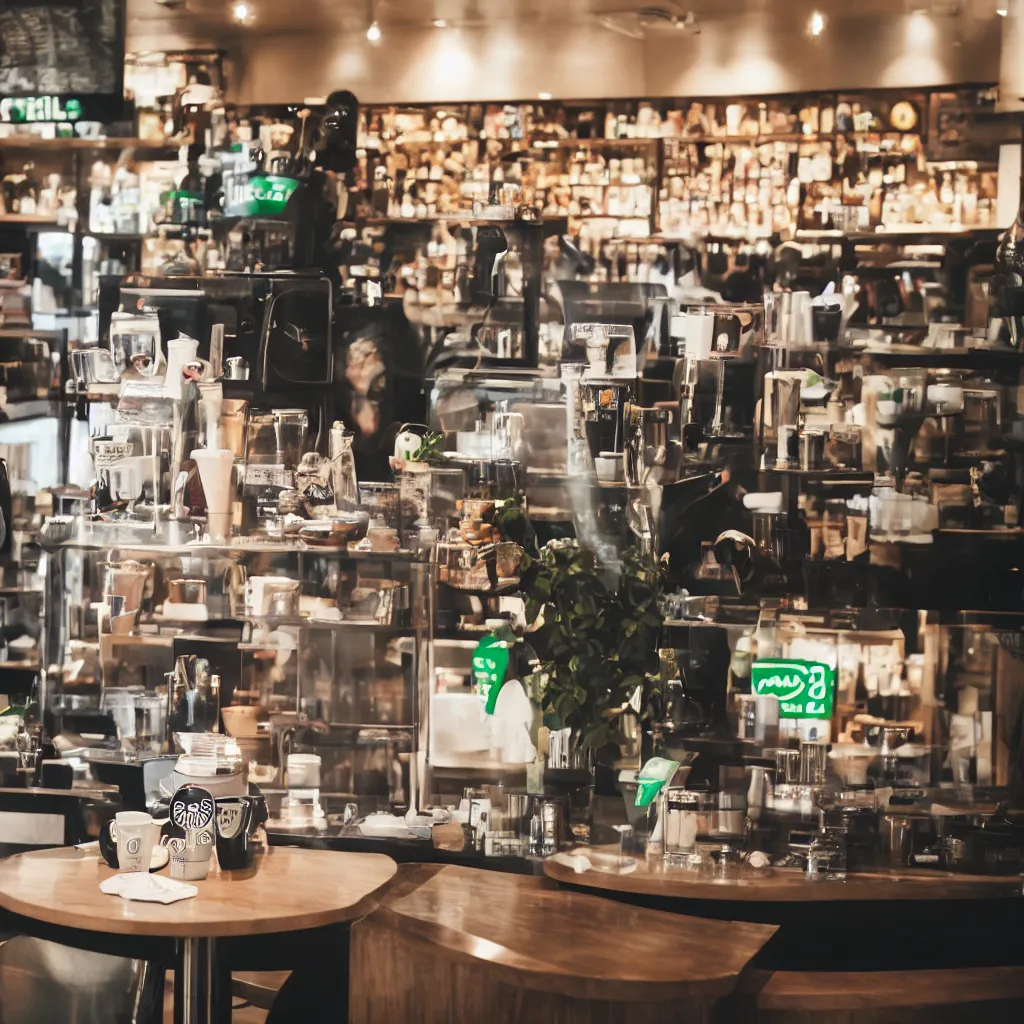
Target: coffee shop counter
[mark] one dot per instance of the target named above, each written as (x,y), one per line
(872,921)
(402,851)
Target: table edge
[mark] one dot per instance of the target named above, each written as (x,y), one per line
(211,930)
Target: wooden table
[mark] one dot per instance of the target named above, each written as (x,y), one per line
(509,948)
(653,877)
(289,890)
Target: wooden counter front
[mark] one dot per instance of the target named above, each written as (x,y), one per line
(454,943)
(653,877)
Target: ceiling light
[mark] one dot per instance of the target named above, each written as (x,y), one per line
(816,23)
(373,32)
(1002,11)
(440,23)
(544,95)
(240,11)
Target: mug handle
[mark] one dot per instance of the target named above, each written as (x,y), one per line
(107,841)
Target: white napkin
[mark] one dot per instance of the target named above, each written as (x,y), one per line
(577,862)
(138,885)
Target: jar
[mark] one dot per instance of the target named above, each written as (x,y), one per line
(826,856)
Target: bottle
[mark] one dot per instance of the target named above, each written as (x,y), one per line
(1007,285)
(826,856)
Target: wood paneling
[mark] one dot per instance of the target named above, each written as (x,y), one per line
(992,995)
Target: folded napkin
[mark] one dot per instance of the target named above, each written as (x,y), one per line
(138,885)
(594,860)
(577,862)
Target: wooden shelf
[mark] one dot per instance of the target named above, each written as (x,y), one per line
(32,142)
(585,143)
(29,220)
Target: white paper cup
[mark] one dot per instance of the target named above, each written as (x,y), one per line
(136,834)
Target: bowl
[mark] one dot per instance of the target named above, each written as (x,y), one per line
(242,721)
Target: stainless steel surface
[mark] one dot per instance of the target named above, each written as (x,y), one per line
(236,368)
(813,763)
(768,527)
(191,1010)
(812,449)
(897,838)
(187,591)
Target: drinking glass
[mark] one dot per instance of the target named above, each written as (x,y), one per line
(679,813)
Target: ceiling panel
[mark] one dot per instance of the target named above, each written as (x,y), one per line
(203,17)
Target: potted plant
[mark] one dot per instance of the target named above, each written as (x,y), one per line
(597,643)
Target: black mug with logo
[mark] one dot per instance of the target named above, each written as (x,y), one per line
(108,843)
(234,845)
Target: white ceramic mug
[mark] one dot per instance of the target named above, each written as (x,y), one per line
(136,835)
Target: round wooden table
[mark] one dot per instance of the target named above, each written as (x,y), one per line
(289,890)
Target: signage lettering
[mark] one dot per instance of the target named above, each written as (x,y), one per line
(250,195)
(39,109)
(804,688)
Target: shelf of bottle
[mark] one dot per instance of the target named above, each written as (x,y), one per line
(389,727)
(378,145)
(753,140)
(153,151)
(146,547)
(29,220)
(341,625)
(116,236)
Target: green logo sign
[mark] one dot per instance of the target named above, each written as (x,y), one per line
(37,109)
(490,659)
(804,688)
(258,195)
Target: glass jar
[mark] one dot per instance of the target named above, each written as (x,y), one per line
(679,811)
(826,856)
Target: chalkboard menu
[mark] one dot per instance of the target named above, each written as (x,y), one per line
(62,48)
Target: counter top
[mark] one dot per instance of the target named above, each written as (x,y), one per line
(653,877)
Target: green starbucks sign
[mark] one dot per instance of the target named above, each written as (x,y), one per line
(39,109)
(256,195)
(804,688)
(490,660)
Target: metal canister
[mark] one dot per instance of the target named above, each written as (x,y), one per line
(787,448)
(812,449)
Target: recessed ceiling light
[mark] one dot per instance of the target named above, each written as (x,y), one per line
(240,11)
(816,23)
(373,32)
(440,23)
(544,95)
(1002,11)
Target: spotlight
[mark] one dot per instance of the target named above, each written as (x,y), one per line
(544,95)
(373,32)
(440,23)
(816,23)
(1002,11)
(240,11)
